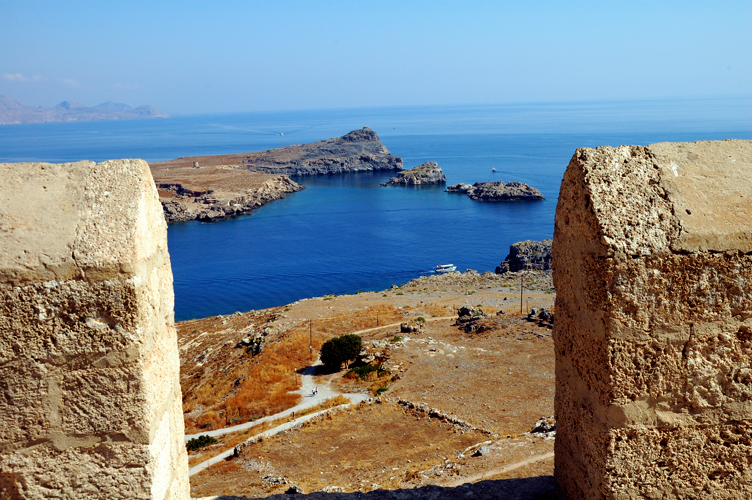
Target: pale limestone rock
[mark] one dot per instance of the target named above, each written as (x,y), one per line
(653,330)
(91,404)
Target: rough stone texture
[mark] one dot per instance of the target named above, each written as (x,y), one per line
(90,404)
(497,191)
(653,328)
(525,255)
(425,173)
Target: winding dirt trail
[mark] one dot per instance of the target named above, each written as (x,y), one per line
(502,470)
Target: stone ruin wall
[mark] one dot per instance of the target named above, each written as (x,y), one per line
(653,336)
(90,404)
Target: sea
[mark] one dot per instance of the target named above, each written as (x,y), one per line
(346,233)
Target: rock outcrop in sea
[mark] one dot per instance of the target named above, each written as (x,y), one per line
(357,151)
(497,191)
(527,255)
(426,173)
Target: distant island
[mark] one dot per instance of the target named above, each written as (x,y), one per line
(13,112)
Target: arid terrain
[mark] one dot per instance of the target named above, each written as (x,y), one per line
(455,405)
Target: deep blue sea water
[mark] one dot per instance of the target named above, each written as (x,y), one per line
(345,233)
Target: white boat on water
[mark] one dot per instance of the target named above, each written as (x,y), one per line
(445,268)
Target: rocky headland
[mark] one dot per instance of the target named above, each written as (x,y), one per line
(215,192)
(357,151)
(213,188)
(427,173)
(497,191)
(13,112)
(527,255)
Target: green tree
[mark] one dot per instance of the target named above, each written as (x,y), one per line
(340,350)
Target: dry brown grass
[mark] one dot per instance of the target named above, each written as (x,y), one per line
(232,439)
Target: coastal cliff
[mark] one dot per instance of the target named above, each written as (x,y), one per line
(426,173)
(497,191)
(357,151)
(527,255)
(216,192)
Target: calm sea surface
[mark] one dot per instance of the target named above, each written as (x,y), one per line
(346,233)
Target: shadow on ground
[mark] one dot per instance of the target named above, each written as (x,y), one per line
(530,488)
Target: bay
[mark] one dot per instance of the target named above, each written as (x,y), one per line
(346,233)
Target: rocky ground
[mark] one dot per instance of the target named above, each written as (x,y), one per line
(426,173)
(497,191)
(458,396)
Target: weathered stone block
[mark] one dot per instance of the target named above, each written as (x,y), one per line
(653,328)
(90,406)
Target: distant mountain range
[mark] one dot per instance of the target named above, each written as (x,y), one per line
(13,112)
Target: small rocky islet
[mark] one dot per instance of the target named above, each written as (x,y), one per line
(424,174)
(497,191)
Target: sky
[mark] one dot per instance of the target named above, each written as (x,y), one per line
(214,57)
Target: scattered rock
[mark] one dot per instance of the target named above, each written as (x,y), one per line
(295,490)
(544,317)
(497,191)
(526,255)
(427,173)
(406,327)
(483,450)
(545,426)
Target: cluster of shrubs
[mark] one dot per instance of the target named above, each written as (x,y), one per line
(200,442)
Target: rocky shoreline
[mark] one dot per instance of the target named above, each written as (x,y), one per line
(497,191)
(186,205)
(426,173)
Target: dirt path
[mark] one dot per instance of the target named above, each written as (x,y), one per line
(502,470)
(309,400)
(398,324)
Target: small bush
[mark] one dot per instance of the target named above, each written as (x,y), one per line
(396,338)
(381,390)
(200,442)
(420,320)
(362,371)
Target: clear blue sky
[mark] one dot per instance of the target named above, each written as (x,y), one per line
(203,57)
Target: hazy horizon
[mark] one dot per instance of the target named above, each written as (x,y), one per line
(190,58)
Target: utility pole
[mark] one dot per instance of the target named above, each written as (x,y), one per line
(377,318)
(310,337)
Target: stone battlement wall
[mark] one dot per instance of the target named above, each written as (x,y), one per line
(91,403)
(653,273)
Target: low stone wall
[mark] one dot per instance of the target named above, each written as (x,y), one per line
(652,266)
(91,402)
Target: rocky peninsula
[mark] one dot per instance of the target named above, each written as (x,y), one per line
(497,191)
(213,188)
(427,173)
(207,192)
(357,151)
